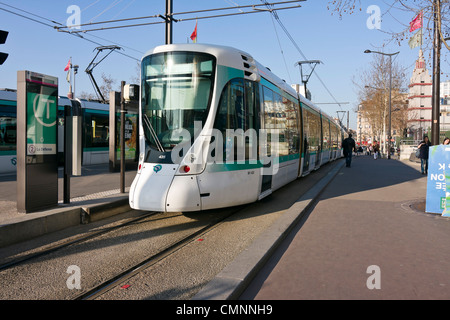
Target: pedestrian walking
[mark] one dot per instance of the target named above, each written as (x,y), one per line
(446,141)
(424,146)
(349,146)
(360,150)
(376,150)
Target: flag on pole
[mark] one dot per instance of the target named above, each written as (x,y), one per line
(416,23)
(194,34)
(416,40)
(68,66)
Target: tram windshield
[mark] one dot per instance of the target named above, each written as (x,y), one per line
(176,91)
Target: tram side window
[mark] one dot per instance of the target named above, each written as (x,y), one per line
(269,116)
(277,114)
(291,127)
(96,130)
(315,132)
(251,104)
(230,100)
(305,123)
(269,119)
(333,143)
(326,133)
(8,128)
(312,131)
(237,111)
(283,132)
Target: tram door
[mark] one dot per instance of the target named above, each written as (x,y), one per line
(268,125)
(319,141)
(306,120)
(305,154)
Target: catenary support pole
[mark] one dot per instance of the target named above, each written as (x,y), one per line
(435,104)
(122,138)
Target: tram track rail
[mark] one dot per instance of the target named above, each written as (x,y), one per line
(72,241)
(120,278)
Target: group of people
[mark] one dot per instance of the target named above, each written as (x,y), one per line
(349,145)
(423,148)
(375,149)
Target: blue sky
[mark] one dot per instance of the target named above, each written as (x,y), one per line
(321,35)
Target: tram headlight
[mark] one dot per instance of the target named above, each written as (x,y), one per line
(141,161)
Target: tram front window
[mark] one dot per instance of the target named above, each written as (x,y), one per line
(176,92)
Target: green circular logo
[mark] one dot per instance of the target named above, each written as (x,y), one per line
(41,109)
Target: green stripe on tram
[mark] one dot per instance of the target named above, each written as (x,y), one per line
(246,165)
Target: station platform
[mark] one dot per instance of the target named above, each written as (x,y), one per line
(366,236)
(93,195)
(362,234)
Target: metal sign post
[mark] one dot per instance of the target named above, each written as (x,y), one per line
(37,166)
(67,153)
(131,133)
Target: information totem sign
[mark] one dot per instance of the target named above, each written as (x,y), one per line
(37,134)
(438,180)
(131,133)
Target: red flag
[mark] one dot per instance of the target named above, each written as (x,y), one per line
(416,23)
(68,66)
(194,34)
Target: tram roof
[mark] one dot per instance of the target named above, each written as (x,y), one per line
(227,56)
(232,57)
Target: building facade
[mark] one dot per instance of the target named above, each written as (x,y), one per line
(445,89)
(420,102)
(419,97)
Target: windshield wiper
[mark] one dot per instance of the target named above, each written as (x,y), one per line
(153,133)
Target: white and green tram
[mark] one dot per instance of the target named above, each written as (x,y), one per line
(217,129)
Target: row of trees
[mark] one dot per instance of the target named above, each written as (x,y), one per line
(373,94)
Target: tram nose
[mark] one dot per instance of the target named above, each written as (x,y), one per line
(157,188)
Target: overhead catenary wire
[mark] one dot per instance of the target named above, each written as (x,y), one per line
(29,13)
(70,29)
(281,49)
(83,37)
(254,7)
(108,8)
(23,16)
(274,13)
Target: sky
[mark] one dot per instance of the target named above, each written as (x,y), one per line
(319,33)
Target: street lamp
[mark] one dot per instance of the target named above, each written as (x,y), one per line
(390,92)
(75,71)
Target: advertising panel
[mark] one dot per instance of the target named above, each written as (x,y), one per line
(438,180)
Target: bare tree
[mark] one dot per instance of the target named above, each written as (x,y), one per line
(136,78)
(373,94)
(107,85)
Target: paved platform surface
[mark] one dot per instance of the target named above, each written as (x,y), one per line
(95,188)
(362,239)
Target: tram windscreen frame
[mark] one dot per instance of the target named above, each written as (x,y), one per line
(176,92)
